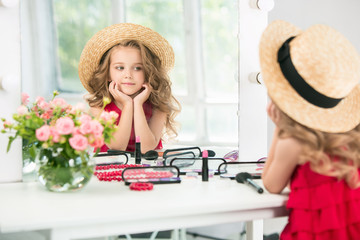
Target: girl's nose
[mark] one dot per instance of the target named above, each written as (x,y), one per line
(127,74)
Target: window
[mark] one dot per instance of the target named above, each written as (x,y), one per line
(203,34)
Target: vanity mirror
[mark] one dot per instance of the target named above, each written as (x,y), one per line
(202,33)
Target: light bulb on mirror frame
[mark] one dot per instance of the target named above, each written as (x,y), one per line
(9,83)
(255,77)
(263,5)
(9,3)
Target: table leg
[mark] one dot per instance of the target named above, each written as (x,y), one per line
(254,229)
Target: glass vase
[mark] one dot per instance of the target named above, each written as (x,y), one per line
(59,174)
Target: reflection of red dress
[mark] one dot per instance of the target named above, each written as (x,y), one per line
(131,145)
(321,208)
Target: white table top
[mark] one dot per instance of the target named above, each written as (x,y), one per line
(104,208)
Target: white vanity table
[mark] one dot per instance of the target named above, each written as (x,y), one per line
(111,208)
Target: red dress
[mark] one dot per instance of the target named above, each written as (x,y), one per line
(131,145)
(321,208)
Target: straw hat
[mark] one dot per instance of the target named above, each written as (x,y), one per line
(114,34)
(321,90)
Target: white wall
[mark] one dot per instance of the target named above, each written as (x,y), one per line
(342,15)
(10,164)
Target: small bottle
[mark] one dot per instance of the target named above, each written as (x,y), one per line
(137,150)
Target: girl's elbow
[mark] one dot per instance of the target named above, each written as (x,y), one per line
(272,188)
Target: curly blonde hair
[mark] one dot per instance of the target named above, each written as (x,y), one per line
(161,96)
(330,154)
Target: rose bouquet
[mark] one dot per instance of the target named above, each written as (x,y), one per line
(61,137)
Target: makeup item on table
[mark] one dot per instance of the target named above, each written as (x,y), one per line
(137,150)
(187,165)
(246,178)
(205,166)
(211,153)
(149,155)
(111,158)
(151,174)
(111,172)
(196,151)
(138,186)
(230,169)
(232,156)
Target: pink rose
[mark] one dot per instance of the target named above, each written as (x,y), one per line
(80,106)
(78,142)
(43,105)
(85,118)
(97,143)
(47,115)
(24,98)
(105,116)
(59,102)
(55,135)
(97,128)
(39,99)
(114,114)
(43,133)
(64,125)
(7,124)
(22,110)
(86,127)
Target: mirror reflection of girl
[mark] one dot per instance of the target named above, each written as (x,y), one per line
(135,78)
(312,78)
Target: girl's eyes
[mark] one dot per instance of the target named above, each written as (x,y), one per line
(135,68)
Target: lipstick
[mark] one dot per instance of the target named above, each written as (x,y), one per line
(137,150)
(205,167)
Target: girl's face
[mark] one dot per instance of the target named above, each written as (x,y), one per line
(127,70)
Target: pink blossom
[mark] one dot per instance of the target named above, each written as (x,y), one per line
(43,133)
(86,127)
(64,125)
(114,114)
(80,106)
(85,118)
(78,142)
(24,98)
(55,135)
(76,131)
(7,124)
(39,99)
(22,110)
(43,105)
(106,116)
(97,128)
(59,102)
(47,115)
(97,143)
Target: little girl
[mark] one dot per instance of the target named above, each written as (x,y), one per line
(312,78)
(129,64)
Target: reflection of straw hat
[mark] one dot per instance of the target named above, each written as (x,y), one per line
(105,39)
(322,70)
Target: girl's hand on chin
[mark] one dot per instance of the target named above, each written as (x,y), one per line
(118,95)
(144,94)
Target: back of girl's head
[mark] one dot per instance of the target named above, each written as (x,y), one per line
(313,77)
(321,148)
